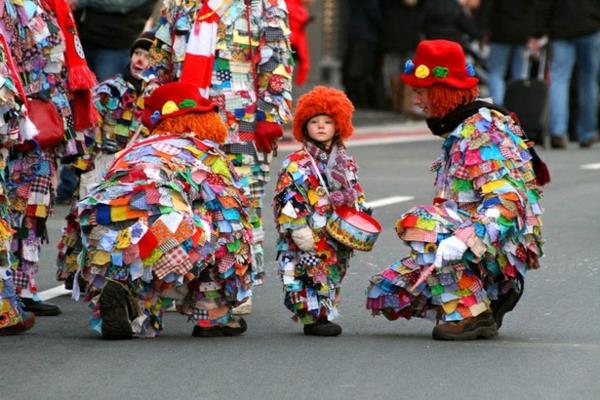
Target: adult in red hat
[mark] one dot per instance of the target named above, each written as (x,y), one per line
(168,224)
(471,248)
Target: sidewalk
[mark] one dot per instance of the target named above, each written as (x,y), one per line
(376,128)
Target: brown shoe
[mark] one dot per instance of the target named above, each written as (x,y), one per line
(586,144)
(481,326)
(558,142)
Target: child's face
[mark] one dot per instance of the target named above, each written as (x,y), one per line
(139,63)
(321,129)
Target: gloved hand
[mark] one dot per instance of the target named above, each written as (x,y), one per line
(449,249)
(303,238)
(266,135)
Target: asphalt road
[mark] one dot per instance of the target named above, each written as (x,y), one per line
(548,348)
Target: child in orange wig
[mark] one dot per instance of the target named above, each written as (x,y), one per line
(312,182)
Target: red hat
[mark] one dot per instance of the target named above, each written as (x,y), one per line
(439,61)
(172,100)
(324,101)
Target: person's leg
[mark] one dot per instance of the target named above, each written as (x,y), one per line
(561,69)
(519,66)
(588,61)
(213,299)
(67,185)
(497,63)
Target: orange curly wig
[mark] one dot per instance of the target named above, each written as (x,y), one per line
(323,100)
(443,99)
(206,125)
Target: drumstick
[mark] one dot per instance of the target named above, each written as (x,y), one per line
(423,276)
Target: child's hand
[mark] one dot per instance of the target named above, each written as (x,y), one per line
(303,238)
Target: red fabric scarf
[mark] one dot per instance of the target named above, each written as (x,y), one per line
(81,80)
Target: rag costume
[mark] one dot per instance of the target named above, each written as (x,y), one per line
(470,249)
(120,102)
(43,41)
(169,220)
(12,124)
(238,52)
(313,181)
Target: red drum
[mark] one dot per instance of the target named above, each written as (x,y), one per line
(353,228)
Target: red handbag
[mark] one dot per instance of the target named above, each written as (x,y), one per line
(49,123)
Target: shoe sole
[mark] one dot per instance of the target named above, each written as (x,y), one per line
(44,313)
(484,332)
(114,313)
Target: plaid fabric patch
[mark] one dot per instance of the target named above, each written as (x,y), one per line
(226,262)
(234,102)
(41,184)
(309,260)
(273,34)
(199,314)
(166,148)
(23,191)
(21,279)
(152,196)
(176,260)
(461,173)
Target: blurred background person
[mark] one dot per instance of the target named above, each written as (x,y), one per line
(299,18)
(508,27)
(360,73)
(574,30)
(401,31)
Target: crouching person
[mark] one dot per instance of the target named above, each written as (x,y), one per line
(169,222)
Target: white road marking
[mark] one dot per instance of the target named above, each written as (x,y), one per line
(54,292)
(388,201)
(592,166)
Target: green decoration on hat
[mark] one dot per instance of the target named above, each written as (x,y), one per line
(440,72)
(188,103)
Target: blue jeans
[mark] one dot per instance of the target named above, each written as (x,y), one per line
(106,62)
(586,51)
(68,184)
(500,56)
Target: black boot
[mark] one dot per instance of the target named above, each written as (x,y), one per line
(40,308)
(235,327)
(322,328)
(117,311)
(506,302)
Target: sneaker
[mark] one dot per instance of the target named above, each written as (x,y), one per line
(322,328)
(558,142)
(506,302)
(117,310)
(481,326)
(27,322)
(244,308)
(235,327)
(40,308)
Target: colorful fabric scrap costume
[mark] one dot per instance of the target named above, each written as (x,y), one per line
(13,114)
(247,74)
(312,279)
(485,174)
(169,221)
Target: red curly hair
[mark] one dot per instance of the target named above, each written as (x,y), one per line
(322,100)
(206,125)
(443,99)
